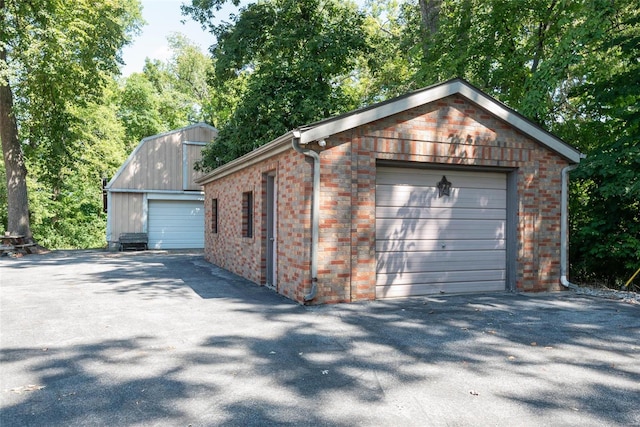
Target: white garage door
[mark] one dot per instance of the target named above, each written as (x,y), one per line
(176,224)
(427,242)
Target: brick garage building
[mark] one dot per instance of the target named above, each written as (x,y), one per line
(441,190)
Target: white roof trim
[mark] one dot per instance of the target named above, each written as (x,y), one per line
(361,117)
(194,143)
(325,128)
(371,114)
(149,138)
(519,122)
(140,191)
(282,143)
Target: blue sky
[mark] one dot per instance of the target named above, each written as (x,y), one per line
(163,18)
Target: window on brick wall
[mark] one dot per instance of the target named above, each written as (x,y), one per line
(214,216)
(247,214)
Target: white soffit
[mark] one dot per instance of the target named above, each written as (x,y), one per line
(519,122)
(357,118)
(325,128)
(368,115)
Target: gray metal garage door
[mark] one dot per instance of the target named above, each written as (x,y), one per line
(428,242)
(176,224)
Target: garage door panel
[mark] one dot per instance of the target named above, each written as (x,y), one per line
(422,197)
(428,244)
(440,213)
(429,178)
(413,262)
(416,245)
(177,231)
(418,289)
(401,229)
(439,277)
(176,224)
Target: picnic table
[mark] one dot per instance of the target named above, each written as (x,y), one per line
(14,243)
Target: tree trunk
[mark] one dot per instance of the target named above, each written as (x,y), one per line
(18,202)
(429,13)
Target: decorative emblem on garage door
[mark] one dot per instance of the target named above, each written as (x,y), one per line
(444,187)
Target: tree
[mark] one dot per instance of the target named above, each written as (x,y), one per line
(139,109)
(572,67)
(289,58)
(71,215)
(191,70)
(168,94)
(387,68)
(15,169)
(53,56)
(605,210)
(524,53)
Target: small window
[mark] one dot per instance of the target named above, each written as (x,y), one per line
(247,214)
(214,216)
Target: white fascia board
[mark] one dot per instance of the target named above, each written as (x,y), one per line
(386,109)
(520,123)
(326,128)
(146,191)
(126,162)
(358,118)
(149,138)
(277,146)
(196,196)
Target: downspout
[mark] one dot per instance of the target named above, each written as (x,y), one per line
(315,213)
(564,235)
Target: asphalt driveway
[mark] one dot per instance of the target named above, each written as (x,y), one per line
(156,338)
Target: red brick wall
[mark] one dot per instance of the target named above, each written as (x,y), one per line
(451,131)
(247,256)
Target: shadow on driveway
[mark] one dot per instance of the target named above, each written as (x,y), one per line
(163,338)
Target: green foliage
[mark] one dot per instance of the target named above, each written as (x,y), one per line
(388,68)
(606,204)
(167,95)
(203,11)
(71,215)
(139,109)
(525,53)
(288,59)
(60,58)
(605,219)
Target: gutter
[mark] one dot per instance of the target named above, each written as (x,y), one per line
(276,146)
(315,212)
(564,225)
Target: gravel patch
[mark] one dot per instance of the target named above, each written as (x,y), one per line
(625,296)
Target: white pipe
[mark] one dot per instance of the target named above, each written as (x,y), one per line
(315,213)
(564,235)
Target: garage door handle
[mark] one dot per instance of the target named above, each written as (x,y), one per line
(271,239)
